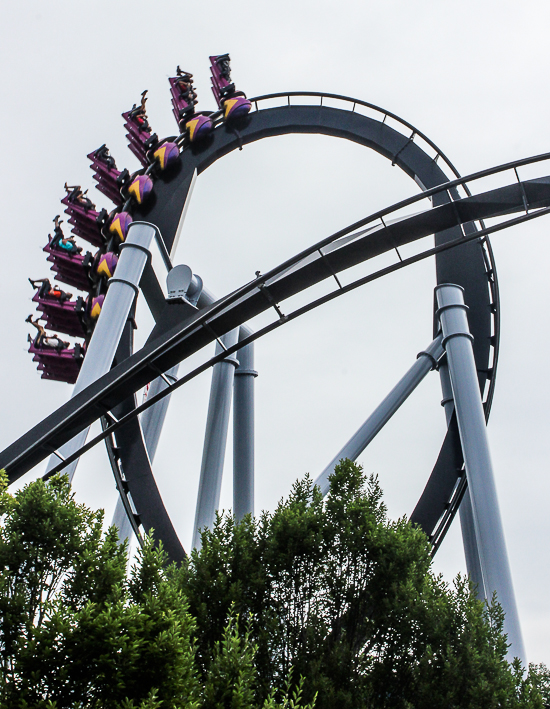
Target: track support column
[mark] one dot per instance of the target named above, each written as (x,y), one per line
(489,532)
(469,541)
(425,362)
(243,433)
(122,292)
(215,439)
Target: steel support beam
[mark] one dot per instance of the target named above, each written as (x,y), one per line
(426,361)
(152,420)
(489,532)
(243,421)
(121,522)
(469,541)
(215,439)
(243,433)
(122,292)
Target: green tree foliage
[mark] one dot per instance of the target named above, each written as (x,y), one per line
(346,597)
(76,632)
(323,601)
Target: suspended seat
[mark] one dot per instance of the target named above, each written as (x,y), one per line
(139,135)
(66,316)
(72,269)
(85,221)
(234,103)
(109,179)
(184,96)
(58,365)
(184,100)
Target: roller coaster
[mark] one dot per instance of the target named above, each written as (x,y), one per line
(150,207)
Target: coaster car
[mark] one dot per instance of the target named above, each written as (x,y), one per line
(184,96)
(184,100)
(94,306)
(61,365)
(71,268)
(62,315)
(85,221)
(233,103)
(109,179)
(141,188)
(139,134)
(119,225)
(105,264)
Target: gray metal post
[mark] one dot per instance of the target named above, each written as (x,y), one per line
(121,522)
(469,541)
(123,288)
(471,547)
(243,433)
(215,439)
(425,362)
(152,420)
(457,341)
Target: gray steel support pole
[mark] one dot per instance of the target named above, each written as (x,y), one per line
(469,541)
(489,532)
(215,439)
(121,522)
(152,420)
(471,547)
(243,433)
(123,288)
(243,421)
(425,362)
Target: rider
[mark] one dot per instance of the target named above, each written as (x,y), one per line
(185,86)
(45,290)
(42,339)
(60,241)
(139,114)
(77,196)
(102,154)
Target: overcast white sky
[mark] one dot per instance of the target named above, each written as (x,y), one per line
(471,75)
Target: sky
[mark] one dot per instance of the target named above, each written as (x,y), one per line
(471,76)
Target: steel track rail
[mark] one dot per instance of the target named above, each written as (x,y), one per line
(282,282)
(299,115)
(446,191)
(282,321)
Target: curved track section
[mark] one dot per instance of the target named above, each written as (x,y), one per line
(461,257)
(169,344)
(466,267)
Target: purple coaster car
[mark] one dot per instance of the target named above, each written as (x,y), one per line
(140,188)
(234,103)
(120,224)
(85,221)
(58,365)
(72,269)
(109,179)
(199,127)
(184,96)
(106,265)
(61,316)
(167,154)
(184,100)
(95,306)
(139,135)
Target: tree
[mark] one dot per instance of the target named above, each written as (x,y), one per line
(347,598)
(75,631)
(322,601)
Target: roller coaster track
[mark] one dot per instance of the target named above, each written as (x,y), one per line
(332,255)
(462,251)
